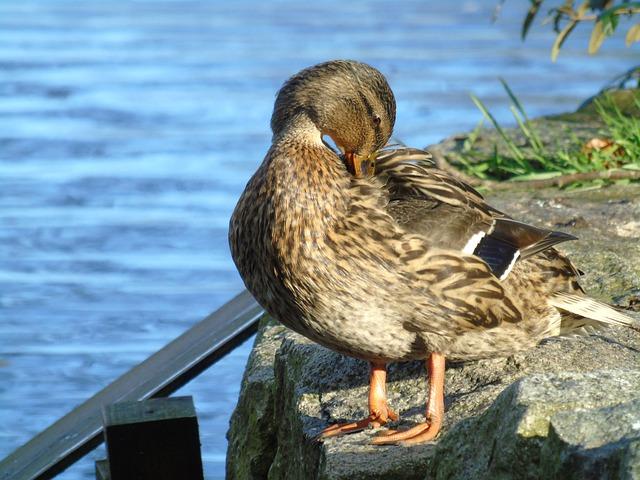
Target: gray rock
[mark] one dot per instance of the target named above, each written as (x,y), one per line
(601,443)
(252,433)
(564,426)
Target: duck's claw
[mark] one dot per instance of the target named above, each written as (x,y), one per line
(374,420)
(423,432)
(379,412)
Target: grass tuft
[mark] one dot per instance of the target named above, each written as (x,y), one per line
(617,146)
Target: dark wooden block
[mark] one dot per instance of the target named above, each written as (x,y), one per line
(102,470)
(154,439)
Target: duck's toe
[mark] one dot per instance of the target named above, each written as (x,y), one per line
(421,433)
(376,419)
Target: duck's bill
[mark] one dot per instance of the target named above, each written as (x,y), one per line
(359,166)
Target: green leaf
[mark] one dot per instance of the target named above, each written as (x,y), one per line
(533,10)
(623,8)
(631,166)
(535,176)
(633,35)
(575,17)
(526,127)
(513,98)
(559,13)
(599,4)
(472,137)
(518,155)
(597,37)
(560,38)
(608,21)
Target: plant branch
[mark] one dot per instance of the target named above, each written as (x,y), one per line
(564,180)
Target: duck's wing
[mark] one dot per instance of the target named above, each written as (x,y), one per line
(451,214)
(470,250)
(462,288)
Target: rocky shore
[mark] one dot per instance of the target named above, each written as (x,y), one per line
(568,409)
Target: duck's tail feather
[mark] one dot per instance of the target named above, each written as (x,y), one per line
(572,324)
(508,240)
(595,313)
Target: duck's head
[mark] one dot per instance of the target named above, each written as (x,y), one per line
(349,101)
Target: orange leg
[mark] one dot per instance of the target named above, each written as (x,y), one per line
(428,430)
(379,412)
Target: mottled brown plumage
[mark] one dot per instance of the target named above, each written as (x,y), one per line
(399,265)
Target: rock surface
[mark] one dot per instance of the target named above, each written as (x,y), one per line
(566,426)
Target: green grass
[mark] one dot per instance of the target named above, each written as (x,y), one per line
(536,161)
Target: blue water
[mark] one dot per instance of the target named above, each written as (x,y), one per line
(128,130)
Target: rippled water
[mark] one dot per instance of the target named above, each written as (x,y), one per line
(128,130)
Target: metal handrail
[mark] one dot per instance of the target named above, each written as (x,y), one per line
(80,431)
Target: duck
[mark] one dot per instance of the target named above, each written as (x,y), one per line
(374,252)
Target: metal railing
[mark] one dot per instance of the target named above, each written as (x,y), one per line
(80,431)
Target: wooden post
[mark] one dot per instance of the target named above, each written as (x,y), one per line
(102,470)
(154,439)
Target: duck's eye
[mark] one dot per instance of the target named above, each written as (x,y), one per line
(376,120)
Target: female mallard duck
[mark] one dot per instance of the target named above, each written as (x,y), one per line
(389,258)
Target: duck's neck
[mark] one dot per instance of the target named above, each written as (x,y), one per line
(309,181)
(281,226)
(299,128)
